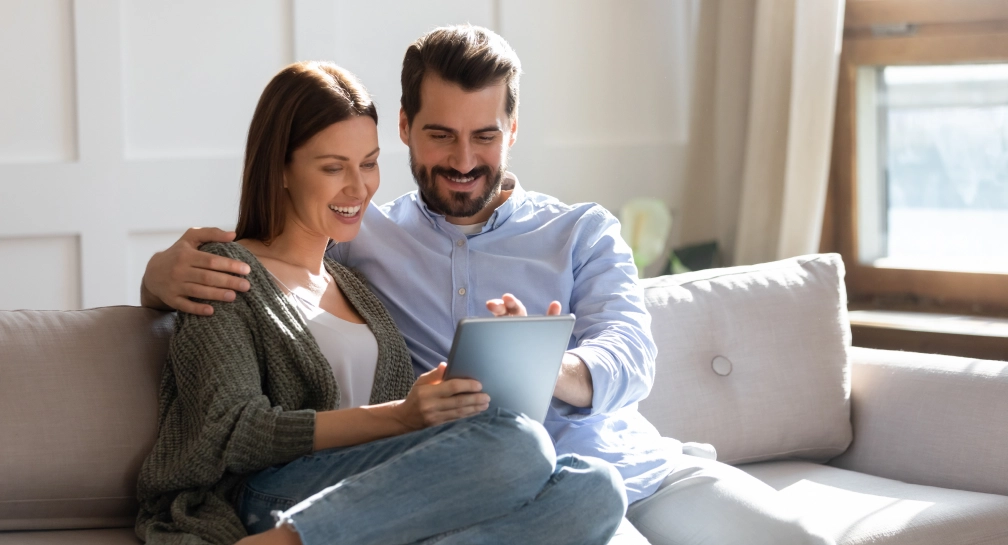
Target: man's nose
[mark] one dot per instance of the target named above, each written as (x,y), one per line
(462,159)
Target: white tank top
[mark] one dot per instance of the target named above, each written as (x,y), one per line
(351,349)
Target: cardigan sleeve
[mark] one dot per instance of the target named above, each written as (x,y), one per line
(227,420)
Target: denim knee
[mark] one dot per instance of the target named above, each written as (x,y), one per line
(598,497)
(603,485)
(517,448)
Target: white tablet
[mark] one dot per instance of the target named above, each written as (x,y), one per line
(515,358)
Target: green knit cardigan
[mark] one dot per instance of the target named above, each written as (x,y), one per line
(239,394)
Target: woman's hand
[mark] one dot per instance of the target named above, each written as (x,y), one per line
(509,305)
(433,400)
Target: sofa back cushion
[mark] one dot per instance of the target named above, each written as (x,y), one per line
(78,399)
(753,359)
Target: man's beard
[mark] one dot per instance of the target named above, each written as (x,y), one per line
(457,204)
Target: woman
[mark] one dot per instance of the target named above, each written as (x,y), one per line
(297,400)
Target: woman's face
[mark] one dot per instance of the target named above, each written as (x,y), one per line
(331,178)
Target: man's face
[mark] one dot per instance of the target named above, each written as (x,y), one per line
(458,143)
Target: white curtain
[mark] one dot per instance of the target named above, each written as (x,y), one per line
(764,89)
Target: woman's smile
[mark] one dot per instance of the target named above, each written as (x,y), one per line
(347,214)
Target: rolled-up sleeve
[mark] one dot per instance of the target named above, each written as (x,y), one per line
(612,335)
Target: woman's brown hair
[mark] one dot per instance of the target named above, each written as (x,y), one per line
(298,103)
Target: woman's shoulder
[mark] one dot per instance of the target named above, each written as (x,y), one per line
(238,251)
(258,276)
(233,250)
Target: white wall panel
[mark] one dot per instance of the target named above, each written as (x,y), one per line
(40,273)
(130,120)
(604,111)
(142,246)
(609,178)
(37,110)
(370,42)
(601,73)
(193,72)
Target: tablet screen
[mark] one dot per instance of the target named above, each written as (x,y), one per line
(515,358)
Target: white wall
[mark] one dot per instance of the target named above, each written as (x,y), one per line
(122,123)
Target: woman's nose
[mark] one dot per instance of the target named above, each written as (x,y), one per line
(355,184)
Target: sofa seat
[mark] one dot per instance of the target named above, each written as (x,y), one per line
(109,536)
(856,508)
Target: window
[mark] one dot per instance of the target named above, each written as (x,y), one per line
(932,167)
(919,180)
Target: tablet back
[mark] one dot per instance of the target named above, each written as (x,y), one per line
(515,358)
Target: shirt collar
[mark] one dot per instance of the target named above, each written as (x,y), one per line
(509,206)
(503,212)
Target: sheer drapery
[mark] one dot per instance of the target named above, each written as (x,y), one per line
(764,87)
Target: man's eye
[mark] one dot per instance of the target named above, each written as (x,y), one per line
(439,136)
(486,139)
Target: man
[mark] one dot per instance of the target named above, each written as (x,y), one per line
(470,232)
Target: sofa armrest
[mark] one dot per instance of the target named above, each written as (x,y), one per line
(929,419)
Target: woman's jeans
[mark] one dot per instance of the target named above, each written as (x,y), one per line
(491,478)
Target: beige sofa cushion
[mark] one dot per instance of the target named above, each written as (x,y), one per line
(753,359)
(858,509)
(78,395)
(929,419)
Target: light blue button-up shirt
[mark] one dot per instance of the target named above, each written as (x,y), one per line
(429,275)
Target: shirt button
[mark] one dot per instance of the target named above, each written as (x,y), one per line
(461,291)
(461,243)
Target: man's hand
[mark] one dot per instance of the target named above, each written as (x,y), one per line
(433,400)
(574,383)
(509,305)
(182,271)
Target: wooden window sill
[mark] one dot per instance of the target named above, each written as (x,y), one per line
(955,335)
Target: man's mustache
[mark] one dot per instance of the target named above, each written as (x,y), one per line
(449,172)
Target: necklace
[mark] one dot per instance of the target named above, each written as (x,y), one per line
(311,287)
(313,291)
(304,281)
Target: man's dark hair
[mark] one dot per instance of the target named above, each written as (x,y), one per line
(472,57)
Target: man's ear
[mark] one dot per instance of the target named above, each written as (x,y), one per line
(403,127)
(514,131)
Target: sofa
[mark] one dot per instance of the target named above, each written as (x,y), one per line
(870,446)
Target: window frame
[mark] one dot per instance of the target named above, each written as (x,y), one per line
(944,32)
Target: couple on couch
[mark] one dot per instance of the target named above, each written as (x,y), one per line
(289,407)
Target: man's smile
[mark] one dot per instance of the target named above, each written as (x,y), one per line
(460,182)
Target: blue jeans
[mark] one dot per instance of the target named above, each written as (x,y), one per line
(490,478)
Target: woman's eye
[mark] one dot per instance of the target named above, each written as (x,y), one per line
(369,166)
(331,170)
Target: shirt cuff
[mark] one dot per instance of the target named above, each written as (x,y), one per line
(602,376)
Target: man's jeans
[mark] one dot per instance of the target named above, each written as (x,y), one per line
(491,478)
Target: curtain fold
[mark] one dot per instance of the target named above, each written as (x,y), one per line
(764,89)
